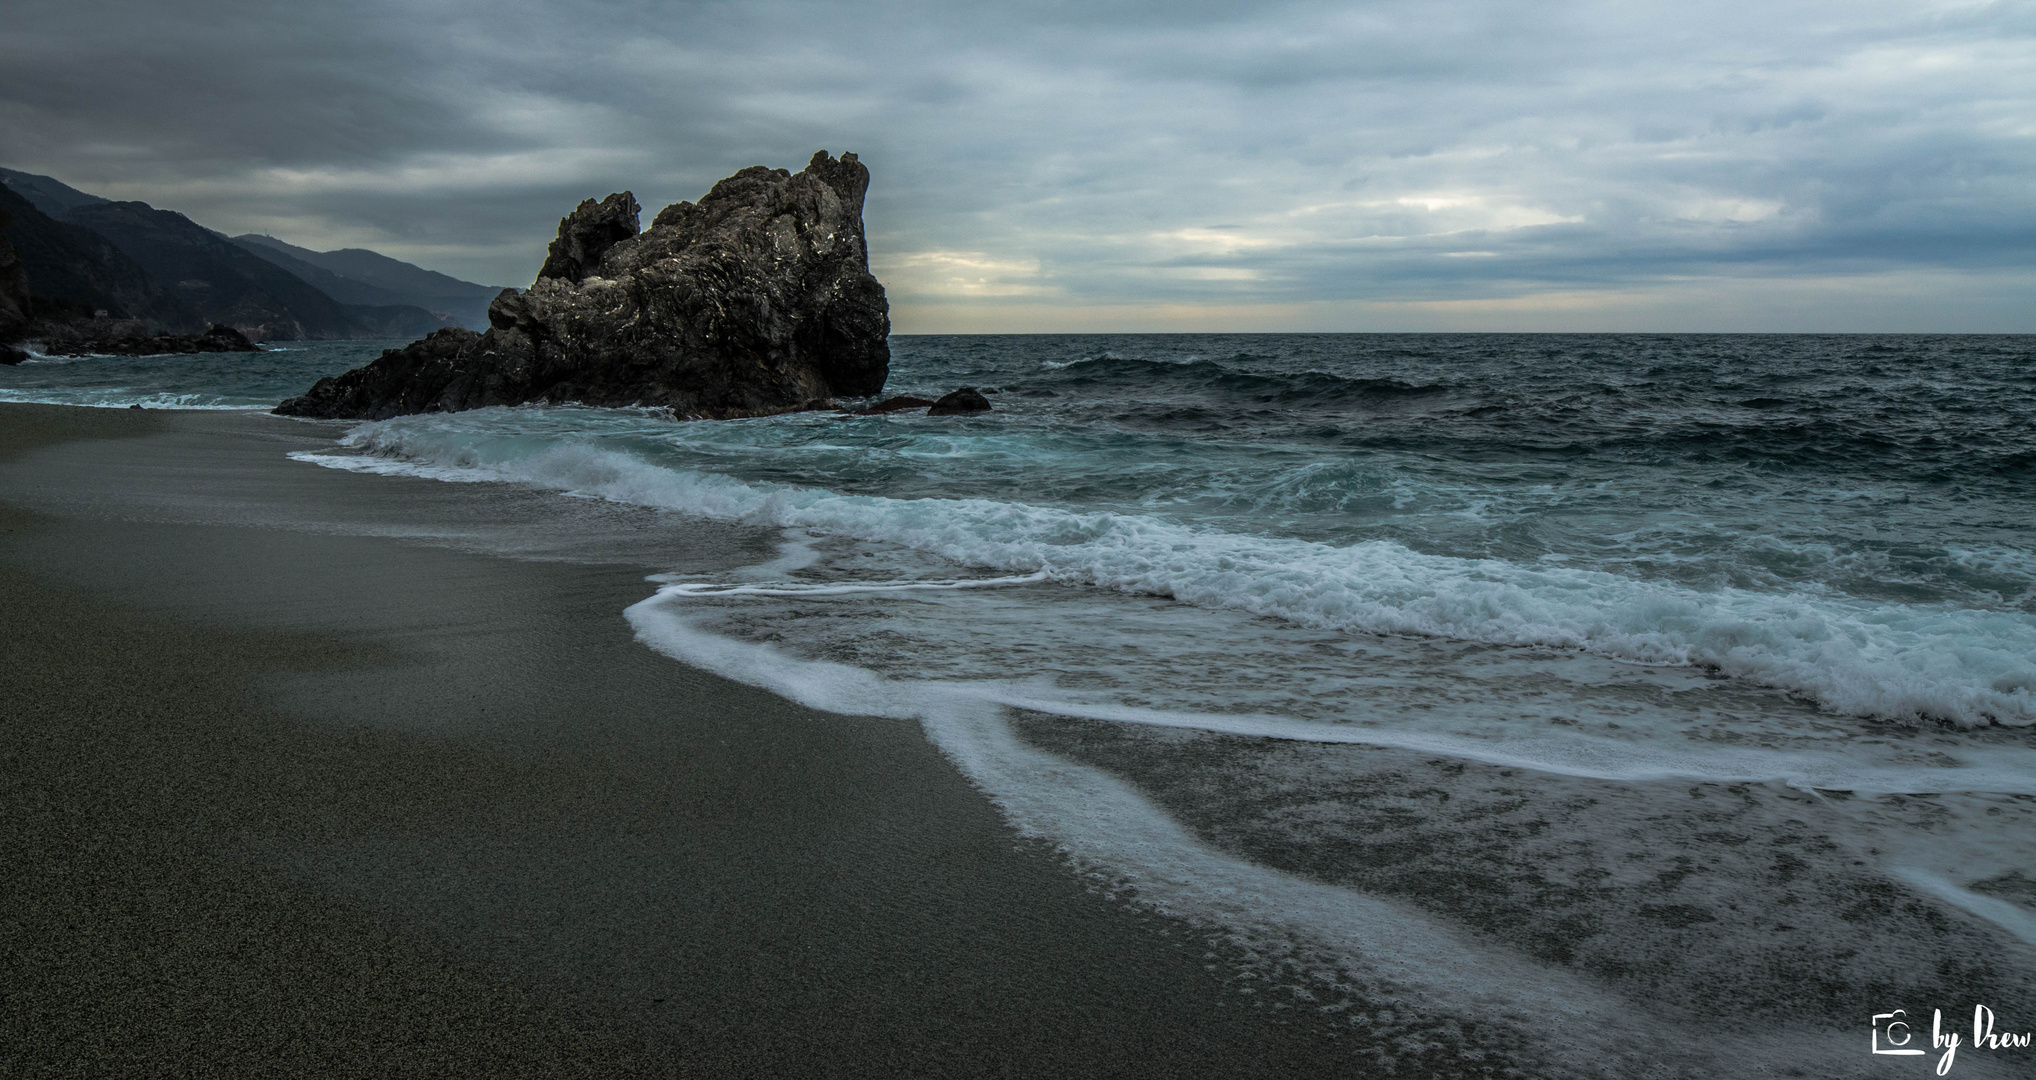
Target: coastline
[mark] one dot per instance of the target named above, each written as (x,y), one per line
(299,794)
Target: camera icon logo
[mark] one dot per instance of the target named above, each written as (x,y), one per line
(1891,1034)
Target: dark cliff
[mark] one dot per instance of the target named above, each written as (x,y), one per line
(756,300)
(15,309)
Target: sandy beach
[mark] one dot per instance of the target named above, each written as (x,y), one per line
(301,782)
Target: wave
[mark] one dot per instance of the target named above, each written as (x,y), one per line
(1874,659)
(1211,376)
(116,400)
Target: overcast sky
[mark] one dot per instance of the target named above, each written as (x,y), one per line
(1441,165)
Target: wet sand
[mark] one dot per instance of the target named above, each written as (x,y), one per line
(289,792)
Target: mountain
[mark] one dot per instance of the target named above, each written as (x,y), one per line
(378,279)
(83,254)
(48,195)
(344,290)
(227,284)
(74,272)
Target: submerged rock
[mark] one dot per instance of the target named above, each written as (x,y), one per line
(895,404)
(756,300)
(960,403)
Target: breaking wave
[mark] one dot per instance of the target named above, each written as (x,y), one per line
(1875,659)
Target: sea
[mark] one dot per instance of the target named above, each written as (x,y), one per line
(1612,688)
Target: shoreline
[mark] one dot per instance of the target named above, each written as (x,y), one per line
(305,801)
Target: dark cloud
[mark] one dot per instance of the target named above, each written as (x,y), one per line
(1378,164)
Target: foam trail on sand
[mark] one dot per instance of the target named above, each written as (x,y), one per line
(848,588)
(2013,919)
(1376,948)
(2005,771)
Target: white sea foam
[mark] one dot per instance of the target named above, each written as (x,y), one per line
(117,399)
(1585,755)
(1849,655)
(847,588)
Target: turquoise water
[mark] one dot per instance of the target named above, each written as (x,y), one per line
(253,381)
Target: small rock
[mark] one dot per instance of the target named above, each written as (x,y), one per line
(895,404)
(960,403)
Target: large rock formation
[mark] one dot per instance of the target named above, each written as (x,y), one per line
(756,300)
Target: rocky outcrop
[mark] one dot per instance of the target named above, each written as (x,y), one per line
(756,300)
(80,342)
(960,403)
(588,233)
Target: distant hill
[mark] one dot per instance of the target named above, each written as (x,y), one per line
(224,283)
(74,272)
(48,195)
(376,275)
(344,290)
(227,284)
(83,254)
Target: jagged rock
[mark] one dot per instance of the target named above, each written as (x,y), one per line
(960,403)
(412,379)
(894,404)
(217,339)
(587,233)
(756,300)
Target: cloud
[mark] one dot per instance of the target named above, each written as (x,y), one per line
(1035,162)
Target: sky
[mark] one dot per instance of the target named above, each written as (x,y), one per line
(1786,165)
